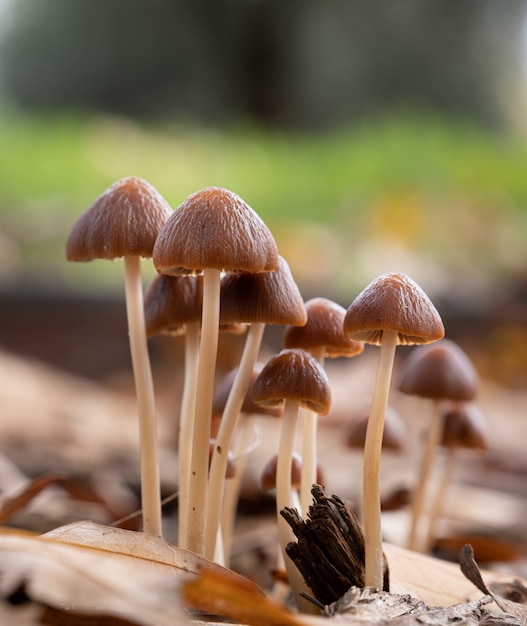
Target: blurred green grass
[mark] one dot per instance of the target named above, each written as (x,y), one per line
(410,190)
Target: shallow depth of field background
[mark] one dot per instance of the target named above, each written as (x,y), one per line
(370,138)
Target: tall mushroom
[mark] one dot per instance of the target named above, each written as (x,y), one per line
(391,310)
(293,378)
(439,372)
(322,336)
(124,222)
(255,299)
(173,306)
(211,231)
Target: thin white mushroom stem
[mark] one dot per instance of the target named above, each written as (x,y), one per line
(427,462)
(144,389)
(371,500)
(308,474)
(284,499)
(186,418)
(245,441)
(208,350)
(440,497)
(218,467)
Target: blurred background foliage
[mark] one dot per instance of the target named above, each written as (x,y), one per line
(370,136)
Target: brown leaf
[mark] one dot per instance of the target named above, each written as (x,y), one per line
(91,580)
(214,594)
(487,548)
(142,547)
(57,617)
(12,503)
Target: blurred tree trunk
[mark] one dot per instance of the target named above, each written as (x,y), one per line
(299,64)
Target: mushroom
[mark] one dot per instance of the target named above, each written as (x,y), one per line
(211,231)
(391,310)
(173,306)
(268,476)
(464,428)
(293,378)
(394,436)
(439,372)
(323,336)
(255,299)
(124,222)
(245,440)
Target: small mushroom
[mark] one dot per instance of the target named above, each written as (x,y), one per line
(245,440)
(438,372)
(394,436)
(293,378)
(255,299)
(464,428)
(212,231)
(391,310)
(124,222)
(268,476)
(322,336)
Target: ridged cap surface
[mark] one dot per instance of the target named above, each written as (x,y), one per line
(123,221)
(393,302)
(214,228)
(293,375)
(324,329)
(265,297)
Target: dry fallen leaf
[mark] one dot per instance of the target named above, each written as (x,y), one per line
(238,601)
(471,570)
(88,580)
(142,547)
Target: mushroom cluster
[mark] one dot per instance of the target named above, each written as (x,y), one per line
(219,268)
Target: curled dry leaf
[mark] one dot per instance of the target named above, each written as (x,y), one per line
(87,580)
(514,610)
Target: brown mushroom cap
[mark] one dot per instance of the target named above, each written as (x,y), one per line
(394,437)
(464,427)
(439,371)
(171,302)
(293,375)
(324,329)
(214,228)
(268,476)
(264,297)
(124,221)
(393,302)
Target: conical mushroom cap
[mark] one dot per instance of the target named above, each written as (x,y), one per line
(214,228)
(171,302)
(293,375)
(464,427)
(394,435)
(123,221)
(268,475)
(439,371)
(393,302)
(324,329)
(265,297)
